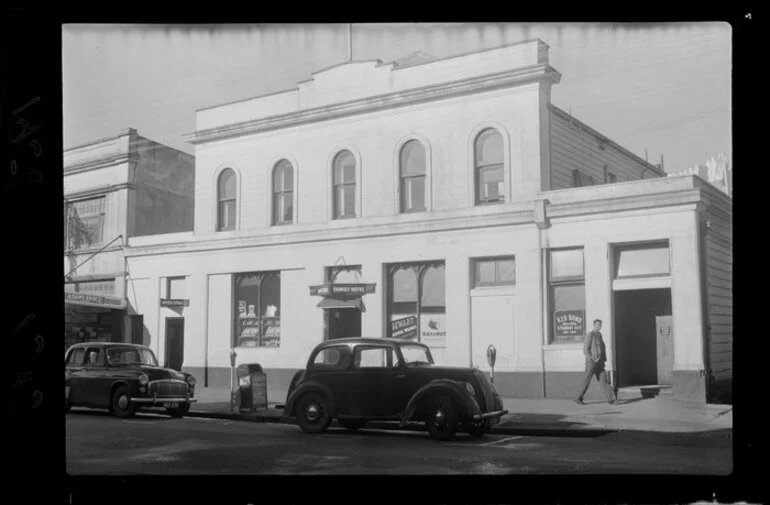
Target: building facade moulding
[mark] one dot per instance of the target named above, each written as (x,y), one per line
(101,163)
(381,102)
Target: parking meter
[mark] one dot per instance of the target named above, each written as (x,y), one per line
(233,389)
(491,356)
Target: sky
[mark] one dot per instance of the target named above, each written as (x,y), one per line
(663,88)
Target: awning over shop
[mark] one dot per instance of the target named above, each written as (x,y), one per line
(339,303)
(106,302)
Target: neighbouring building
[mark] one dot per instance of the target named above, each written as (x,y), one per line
(116,188)
(445,200)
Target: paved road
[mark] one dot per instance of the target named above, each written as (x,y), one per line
(98,443)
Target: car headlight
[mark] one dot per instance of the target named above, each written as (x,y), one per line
(191,380)
(143,379)
(470,389)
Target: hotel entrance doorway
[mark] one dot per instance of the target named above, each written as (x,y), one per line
(343,323)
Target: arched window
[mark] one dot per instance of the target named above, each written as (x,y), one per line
(412,168)
(226,190)
(344,185)
(489,169)
(417,302)
(283,193)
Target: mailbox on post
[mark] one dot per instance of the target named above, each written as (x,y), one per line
(252,388)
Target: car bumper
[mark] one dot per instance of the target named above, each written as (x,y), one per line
(156,401)
(489,415)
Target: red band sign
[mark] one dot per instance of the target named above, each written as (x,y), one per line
(569,323)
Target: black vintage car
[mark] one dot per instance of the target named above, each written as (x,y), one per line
(355,380)
(123,378)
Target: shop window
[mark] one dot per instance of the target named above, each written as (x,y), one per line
(344,168)
(85,223)
(489,167)
(257,309)
(98,287)
(567,295)
(412,172)
(283,193)
(642,260)
(175,288)
(226,200)
(417,302)
(495,272)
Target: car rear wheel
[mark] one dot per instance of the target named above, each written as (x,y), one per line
(180,411)
(313,413)
(442,418)
(478,428)
(121,402)
(352,424)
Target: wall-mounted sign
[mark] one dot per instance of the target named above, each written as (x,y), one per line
(331,289)
(433,330)
(569,323)
(404,327)
(94,300)
(174,302)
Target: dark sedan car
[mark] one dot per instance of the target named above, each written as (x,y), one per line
(123,378)
(355,380)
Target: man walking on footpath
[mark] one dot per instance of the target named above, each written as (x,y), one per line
(596,356)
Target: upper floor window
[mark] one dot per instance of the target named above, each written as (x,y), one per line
(283,193)
(489,169)
(412,168)
(495,272)
(85,223)
(226,190)
(344,197)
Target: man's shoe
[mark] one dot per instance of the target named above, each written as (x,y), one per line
(579,401)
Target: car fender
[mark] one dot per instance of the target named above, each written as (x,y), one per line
(307,387)
(446,386)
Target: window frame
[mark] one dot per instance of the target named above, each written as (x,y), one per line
(564,281)
(405,179)
(478,168)
(224,201)
(100,215)
(168,285)
(344,362)
(284,194)
(389,361)
(235,334)
(617,249)
(477,283)
(344,184)
(418,269)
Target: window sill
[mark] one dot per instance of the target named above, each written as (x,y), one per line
(503,290)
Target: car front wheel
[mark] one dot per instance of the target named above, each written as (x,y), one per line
(180,411)
(478,428)
(313,413)
(442,418)
(121,402)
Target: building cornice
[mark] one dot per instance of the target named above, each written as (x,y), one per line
(624,203)
(521,213)
(380,102)
(102,190)
(101,163)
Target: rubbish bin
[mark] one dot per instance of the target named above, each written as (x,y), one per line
(252,387)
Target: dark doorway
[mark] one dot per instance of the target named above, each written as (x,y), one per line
(137,329)
(644,340)
(175,342)
(343,323)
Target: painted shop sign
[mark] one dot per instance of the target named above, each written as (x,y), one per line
(330,289)
(174,302)
(97,300)
(404,327)
(433,330)
(569,323)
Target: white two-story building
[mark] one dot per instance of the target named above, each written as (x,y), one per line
(445,200)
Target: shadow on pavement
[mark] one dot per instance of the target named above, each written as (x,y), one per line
(148,415)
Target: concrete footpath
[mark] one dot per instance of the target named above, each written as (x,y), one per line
(554,417)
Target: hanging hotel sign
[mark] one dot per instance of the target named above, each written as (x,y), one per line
(174,302)
(94,300)
(404,328)
(569,323)
(332,289)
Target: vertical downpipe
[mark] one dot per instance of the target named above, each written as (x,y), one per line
(205,308)
(542,304)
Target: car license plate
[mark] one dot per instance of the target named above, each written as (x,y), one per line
(171,405)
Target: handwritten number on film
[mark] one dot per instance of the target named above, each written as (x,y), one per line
(21,131)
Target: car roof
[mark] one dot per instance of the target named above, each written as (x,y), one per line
(81,345)
(365,341)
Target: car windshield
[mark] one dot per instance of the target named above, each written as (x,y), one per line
(416,354)
(130,356)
